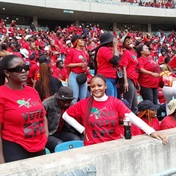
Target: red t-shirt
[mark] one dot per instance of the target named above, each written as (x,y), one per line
(172,63)
(154,124)
(22,118)
(60,73)
(61,46)
(67,50)
(76,56)
(161,97)
(167,123)
(147,80)
(33,70)
(103,123)
(134,130)
(129,60)
(104,67)
(161,59)
(54,49)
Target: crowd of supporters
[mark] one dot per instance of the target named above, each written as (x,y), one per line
(52,59)
(169,4)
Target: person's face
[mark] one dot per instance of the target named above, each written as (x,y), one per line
(64,104)
(163,53)
(81,42)
(97,87)
(52,43)
(17,71)
(128,43)
(69,45)
(61,65)
(33,46)
(145,50)
(153,113)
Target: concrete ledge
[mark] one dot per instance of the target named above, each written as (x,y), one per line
(142,155)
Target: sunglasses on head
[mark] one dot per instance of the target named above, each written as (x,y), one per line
(19,68)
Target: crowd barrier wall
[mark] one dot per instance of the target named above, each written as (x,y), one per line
(142,155)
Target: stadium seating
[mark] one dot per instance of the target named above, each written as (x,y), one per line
(69,145)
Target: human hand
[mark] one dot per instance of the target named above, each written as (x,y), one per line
(156,75)
(138,87)
(82,64)
(115,42)
(125,86)
(159,136)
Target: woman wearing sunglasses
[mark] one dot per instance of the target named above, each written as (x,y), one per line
(23,125)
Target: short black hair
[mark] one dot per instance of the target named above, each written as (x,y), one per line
(58,62)
(99,76)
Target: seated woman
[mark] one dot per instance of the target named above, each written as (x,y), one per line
(147,112)
(46,84)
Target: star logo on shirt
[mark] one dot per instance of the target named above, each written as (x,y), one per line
(24,103)
(134,57)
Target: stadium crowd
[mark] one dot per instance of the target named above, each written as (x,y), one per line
(66,57)
(169,4)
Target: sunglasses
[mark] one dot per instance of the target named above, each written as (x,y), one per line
(19,69)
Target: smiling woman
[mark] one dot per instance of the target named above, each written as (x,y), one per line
(23,125)
(99,122)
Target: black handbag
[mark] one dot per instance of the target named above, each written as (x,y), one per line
(81,78)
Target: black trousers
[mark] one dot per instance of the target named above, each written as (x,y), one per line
(60,137)
(149,94)
(13,151)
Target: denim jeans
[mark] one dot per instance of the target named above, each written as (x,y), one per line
(79,90)
(62,56)
(131,96)
(111,87)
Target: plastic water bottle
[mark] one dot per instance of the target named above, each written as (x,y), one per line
(127,128)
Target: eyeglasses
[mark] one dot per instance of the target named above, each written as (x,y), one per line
(19,68)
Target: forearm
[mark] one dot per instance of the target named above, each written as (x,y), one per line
(3,40)
(72,65)
(46,126)
(145,71)
(125,74)
(116,53)
(71,121)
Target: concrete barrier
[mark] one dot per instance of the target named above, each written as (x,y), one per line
(142,155)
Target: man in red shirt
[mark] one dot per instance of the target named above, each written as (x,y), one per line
(60,72)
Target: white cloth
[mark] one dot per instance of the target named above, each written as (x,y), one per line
(169,94)
(139,123)
(133,118)
(70,120)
